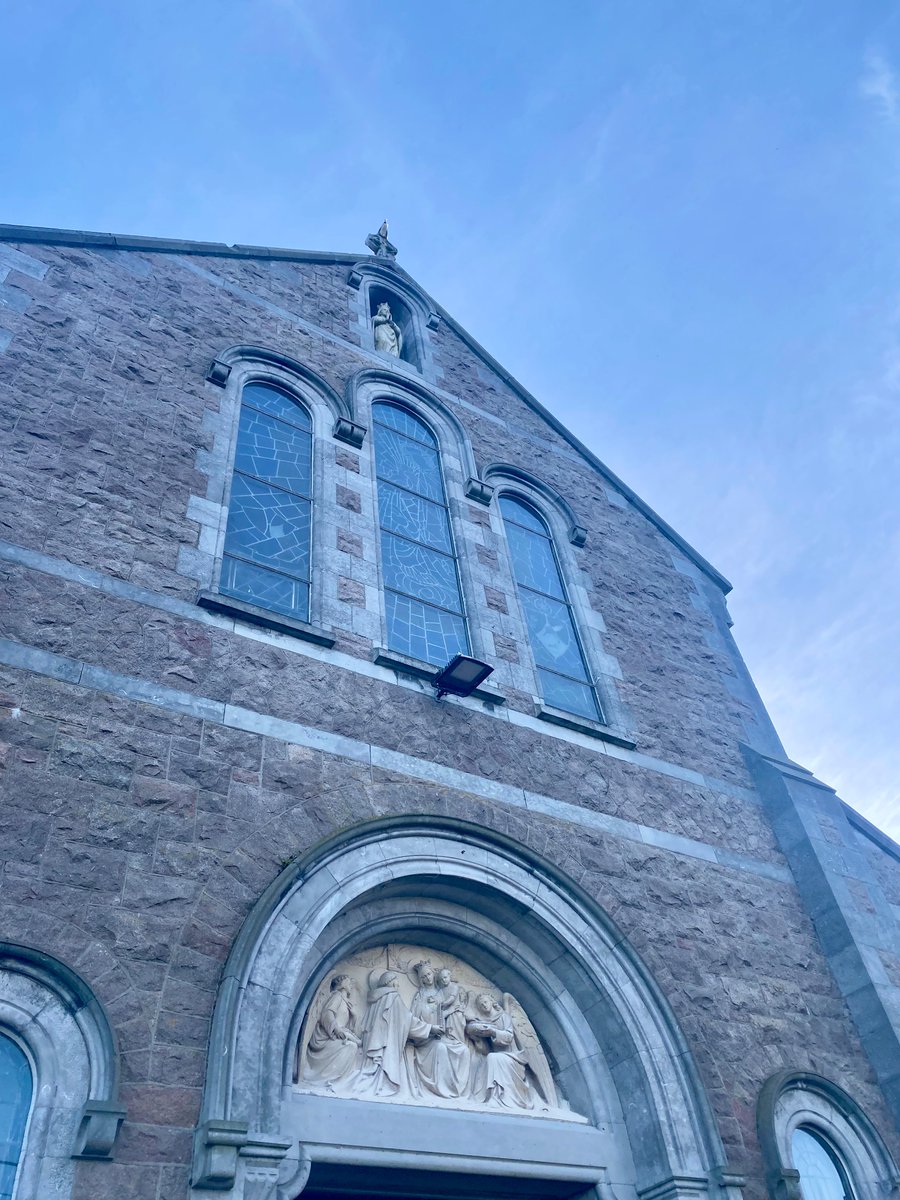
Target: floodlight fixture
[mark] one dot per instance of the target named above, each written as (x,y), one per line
(461,676)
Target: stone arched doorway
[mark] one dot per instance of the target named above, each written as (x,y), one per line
(639,1125)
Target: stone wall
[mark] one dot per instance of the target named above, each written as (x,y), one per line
(162,764)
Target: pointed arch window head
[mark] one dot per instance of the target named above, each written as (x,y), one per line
(564,679)
(267,539)
(423,602)
(16,1086)
(821,1174)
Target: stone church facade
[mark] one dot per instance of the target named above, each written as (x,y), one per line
(278,920)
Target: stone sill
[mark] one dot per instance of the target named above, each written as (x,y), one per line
(556,716)
(418,669)
(231,607)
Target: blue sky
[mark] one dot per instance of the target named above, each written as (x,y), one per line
(675,222)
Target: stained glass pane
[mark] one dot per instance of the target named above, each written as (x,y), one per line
(552,634)
(819,1176)
(512,510)
(269,589)
(15,1103)
(419,572)
(402,512)
(423,632)
(268,526)
(568,694)
(404,422)
(533,562)
(274,451)
(408,463)
(272,401)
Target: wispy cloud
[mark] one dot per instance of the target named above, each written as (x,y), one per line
(879,84)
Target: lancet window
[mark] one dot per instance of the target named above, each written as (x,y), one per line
(267,540)
(562,672)
(16,1088)
(423,602)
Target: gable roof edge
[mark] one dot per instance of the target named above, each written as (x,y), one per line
(110,241)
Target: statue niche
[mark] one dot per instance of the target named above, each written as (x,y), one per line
(389,1025)
(393,329)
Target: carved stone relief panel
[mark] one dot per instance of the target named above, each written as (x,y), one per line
(416,1026)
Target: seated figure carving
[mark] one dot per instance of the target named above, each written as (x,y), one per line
(422,1037)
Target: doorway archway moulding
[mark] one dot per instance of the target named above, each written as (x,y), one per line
(615,1041)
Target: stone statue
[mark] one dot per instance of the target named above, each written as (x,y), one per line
(388,336)
(379,245)
(387,1027)
(332,1051)
(432,1036)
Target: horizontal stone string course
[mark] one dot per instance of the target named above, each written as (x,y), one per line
(88,577)
(70,670)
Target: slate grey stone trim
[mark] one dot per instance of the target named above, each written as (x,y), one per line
(100,1124)
(217,602)
(556,716)
(264,357)
(872,832)
(506,473)
(217,1146)
(594,1003)
(805,814)
(58,666)
(480,492)
(347,431)
(793,1098)
(47,1007)
(64,237)
(87,577)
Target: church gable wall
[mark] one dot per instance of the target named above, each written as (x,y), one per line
(163,763)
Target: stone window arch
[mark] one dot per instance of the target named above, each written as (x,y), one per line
(267,551)
(640,1120)
(16,1092)
(57,1028)
(277,409)
(423,600)
(587,699)
(561,668)
(818,1143)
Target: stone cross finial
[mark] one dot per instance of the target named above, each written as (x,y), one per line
(379,245)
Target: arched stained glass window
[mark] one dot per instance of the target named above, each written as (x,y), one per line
(821,1176)
(15,1105)
(267,552)
(564,679)
(422,598)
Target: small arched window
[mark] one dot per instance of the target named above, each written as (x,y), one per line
(423,602)
(822,1176)
(16,1087)
(564,679)
(267,539)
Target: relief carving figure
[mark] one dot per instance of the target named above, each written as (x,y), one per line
(387,1027)
(333,1047)
(431,1036)
(500,1075)
(453,1008)
(442,1067)
(388,337)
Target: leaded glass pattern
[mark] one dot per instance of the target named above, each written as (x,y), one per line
(16,1087)
(267,538)
(562,671)
(423,602)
